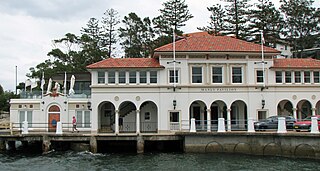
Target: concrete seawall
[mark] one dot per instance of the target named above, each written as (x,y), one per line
(304,145)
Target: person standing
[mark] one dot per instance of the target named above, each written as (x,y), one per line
(74,124)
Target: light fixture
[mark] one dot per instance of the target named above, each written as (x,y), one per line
(89,105)
(263,102)
(174,102)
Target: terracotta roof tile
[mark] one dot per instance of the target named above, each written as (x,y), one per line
(126,63)
(202,41)
(296,63)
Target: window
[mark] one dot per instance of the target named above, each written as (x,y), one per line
(307,77)
(288,76)
(143,77)
(83,119)
(26,116)
(132,77)
(316,77)
(260,76)
(111,77)
(297,77)
(147,116)
(122,77)
(101,78)
(196,74)
(174,116)
(236,75)
(216,74)
(153,77)
(278,76)
(262,115)
(173,76)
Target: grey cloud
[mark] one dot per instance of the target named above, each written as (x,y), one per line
(53,9)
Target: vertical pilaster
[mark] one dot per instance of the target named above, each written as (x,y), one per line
(117,122)
(229,119)
(138,122)
(208,120)
(295,113)
(313,111)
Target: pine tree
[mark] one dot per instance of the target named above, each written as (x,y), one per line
(302,23)
(109,32)
(216,24)
(266,18)
(237,18)
(174,15)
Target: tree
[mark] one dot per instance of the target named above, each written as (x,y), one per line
(92,51)
(1,90)
(216,24)
(4,100)
(237,18)
(173,16)
(109,32)
(136,36)
(268,19)
(302,23)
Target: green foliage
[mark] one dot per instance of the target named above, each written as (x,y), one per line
(302,23)
(5,99)
(216,24)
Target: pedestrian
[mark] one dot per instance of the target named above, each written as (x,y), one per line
(74,124)
(120,123)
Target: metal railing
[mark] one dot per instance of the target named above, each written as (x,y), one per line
(148,127)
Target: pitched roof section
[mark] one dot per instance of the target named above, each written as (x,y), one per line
(204,42)
(296,63)
(126,63)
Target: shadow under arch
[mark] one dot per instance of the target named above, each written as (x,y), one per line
(304,150)
(272,149)
(213,147)
(243,148)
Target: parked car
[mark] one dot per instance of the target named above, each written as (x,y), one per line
(272,123)
(305,124)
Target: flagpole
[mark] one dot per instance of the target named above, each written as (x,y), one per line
(174,61)
(262,58)
(65,84)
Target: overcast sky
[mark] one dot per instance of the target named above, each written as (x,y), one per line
(29,26)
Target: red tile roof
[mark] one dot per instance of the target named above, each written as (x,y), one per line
(204,42)
(296,63)
(126,63)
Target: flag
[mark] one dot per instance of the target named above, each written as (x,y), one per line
(65,83)
(262,38)
(34,84)
(42,81)
(28,83)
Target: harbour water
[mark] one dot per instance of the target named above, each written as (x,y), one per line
(74,161)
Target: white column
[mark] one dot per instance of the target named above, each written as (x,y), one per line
(295,113)
(314,125)
(250,125)
(313,111)
(59,128)
(229,119)
(25,127)
(193,125)
(282,125)
(208,120)
(138,122)
(117,122)
(202,119)
(221,125)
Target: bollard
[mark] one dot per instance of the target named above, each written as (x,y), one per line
(25,127)
(59,128)
(250,125)
(193,125)
(282,125)
(221,125)
(314,125)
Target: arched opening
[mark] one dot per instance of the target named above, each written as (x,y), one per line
(149,117)
(198,111)
(106,117)
(304,109)
(218,110)
(127,117)
(53,117)
(318,108)
(239,115)
(284,108)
